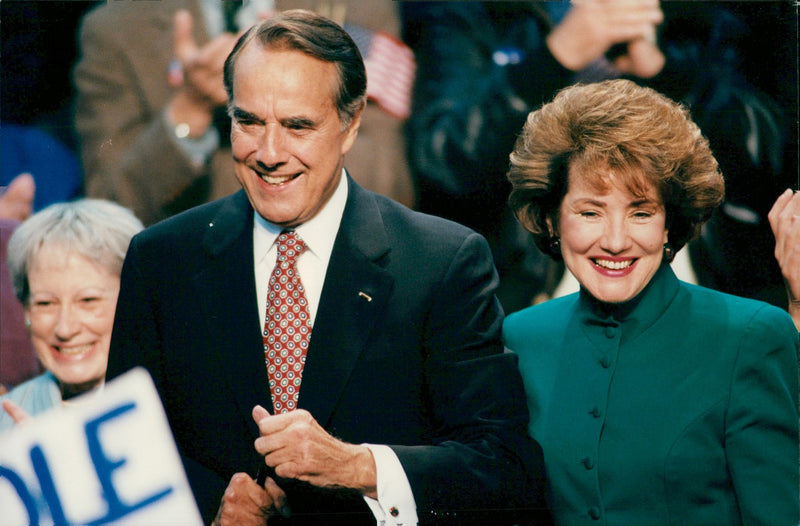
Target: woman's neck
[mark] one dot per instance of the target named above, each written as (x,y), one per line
(69,391)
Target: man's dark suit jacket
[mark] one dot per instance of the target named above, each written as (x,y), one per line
(415,362)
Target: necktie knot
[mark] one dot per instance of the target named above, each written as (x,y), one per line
(290,245)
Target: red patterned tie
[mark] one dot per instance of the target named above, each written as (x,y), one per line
(287,327)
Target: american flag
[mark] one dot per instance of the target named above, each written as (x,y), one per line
(391,69)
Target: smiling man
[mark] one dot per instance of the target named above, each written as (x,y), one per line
(345,348)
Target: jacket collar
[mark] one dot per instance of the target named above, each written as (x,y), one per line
(639,313)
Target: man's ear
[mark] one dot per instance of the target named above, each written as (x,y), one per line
(351,132)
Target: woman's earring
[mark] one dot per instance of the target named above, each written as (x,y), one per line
(669,252)
(555,245)
(28,323)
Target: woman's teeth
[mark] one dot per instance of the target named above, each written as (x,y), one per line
(74,351)
(613,265)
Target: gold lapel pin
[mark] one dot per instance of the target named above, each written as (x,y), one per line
(365,295)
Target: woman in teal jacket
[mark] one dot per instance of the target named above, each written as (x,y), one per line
(655,401)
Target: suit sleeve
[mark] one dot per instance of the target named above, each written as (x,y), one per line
(134,339)
(482,459)
(762,433)
(138,340)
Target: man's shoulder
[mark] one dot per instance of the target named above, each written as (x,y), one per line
(195,222)
(399,217)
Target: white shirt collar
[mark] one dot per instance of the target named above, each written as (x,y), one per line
(319,232)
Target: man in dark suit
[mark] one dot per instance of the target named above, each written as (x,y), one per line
(409,409)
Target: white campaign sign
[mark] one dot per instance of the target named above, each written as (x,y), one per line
(107,458)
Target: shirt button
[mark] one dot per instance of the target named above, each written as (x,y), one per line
(595,412)
(588,463)
(610,332)
(594,512)
(605,361)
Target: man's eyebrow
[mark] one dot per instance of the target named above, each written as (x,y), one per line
(299,122)
(240,114)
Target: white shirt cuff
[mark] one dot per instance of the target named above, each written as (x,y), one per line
(395,505)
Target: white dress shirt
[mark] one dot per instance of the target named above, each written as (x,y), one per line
(395,505)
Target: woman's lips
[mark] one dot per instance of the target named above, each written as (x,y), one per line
(73,352)
(614,267)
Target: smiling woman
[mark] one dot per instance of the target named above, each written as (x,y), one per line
(637,414)
(65,262)
(611,239)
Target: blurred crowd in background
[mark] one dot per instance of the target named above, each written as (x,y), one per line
(92,105)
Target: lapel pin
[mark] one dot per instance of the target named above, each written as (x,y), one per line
(365,295)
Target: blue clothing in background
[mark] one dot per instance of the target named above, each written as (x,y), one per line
(55,169)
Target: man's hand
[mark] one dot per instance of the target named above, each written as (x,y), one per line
(784,219)
(16,202)
(297,447)
(15,412)
(246,503)
(199,80)
(591,27)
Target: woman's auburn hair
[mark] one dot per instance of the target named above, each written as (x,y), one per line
(645,139)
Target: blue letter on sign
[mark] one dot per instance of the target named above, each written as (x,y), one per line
(105,467)
(24,494)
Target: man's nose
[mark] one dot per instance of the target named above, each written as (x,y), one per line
(271,150)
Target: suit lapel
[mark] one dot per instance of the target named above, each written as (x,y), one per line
(354,295)
(232,322)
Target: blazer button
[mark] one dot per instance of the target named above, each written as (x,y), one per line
(594,512)
(588,463)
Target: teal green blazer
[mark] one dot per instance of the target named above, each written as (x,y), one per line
(679,407)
